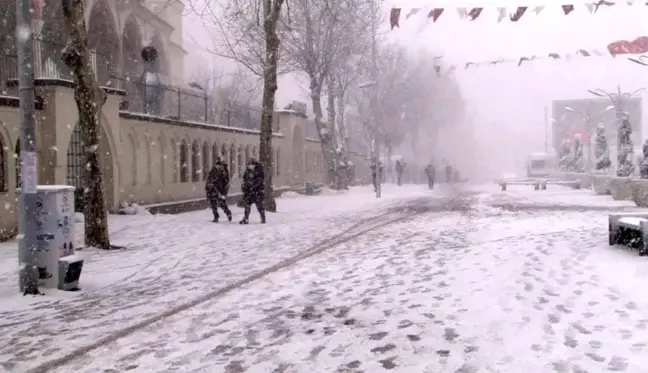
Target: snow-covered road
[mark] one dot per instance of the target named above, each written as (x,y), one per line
(492,282)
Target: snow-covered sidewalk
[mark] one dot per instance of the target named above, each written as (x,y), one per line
(169,260)
(482,291)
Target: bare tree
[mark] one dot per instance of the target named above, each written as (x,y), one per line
(316,35)
(89,99)
(249,34)
(415,102)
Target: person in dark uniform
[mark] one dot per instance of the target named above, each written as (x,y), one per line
(253,188)
(374,174)
(448,173)
(400,167)
(217,187)
(430,172)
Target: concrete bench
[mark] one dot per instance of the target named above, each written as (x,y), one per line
(629,229)
(540,184)
(537,184)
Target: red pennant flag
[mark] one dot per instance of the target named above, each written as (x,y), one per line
(567,9)
(523,59)
(555,56)
(497,62)
(435,14)
(601,2)
(637,46)
(518,13)
(412,12)
(584,53)
(474,13)
(394,17)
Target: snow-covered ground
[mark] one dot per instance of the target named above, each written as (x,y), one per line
(486,282)
(169,261)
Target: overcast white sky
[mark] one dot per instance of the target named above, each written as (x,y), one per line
(507,96)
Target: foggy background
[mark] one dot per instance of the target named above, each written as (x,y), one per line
(504,118)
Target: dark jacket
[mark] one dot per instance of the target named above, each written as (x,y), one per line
(253,183)
(430,171)
(373,168)
(218,182)
(400,167)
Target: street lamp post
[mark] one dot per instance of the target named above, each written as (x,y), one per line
(618,100)
(588,118)
(375,132)
(28,201)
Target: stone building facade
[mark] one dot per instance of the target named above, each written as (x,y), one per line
(147,158)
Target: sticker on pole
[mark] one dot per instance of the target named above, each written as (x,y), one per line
(28,172)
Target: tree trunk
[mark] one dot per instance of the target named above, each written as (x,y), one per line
(344,137)
(271,11)
(89,99)
(333,128)
(325,135)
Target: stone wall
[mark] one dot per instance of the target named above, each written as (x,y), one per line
(148,159)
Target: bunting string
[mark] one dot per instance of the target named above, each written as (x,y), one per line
(503,12)
(619,47)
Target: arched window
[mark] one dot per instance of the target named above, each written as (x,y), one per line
(255,153)
(215,153)
(247,154)
(17,157)
(232,159)
(277,162)
(4,182)
(195,162)
(133,149)
(175,159)
(205,160)
(239,161)
(184,162)
(163,160)
(75,167)
(224,153)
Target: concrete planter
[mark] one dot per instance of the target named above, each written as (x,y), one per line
(621,188)
(601,184)
(640,192)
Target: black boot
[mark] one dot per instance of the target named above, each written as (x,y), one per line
(215,220)
(229,218)
(244,221)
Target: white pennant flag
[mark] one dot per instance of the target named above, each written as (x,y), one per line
(590,7)
(463,13)
(538,9)
(502,14)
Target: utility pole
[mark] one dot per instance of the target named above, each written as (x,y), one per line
(28,199)
(374,98)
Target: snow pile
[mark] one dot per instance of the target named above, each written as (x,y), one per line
(326,191)
(133,209)
(290,194)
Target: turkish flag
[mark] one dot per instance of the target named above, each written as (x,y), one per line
(583,134)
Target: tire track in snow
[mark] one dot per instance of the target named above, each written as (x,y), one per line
(414,208)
